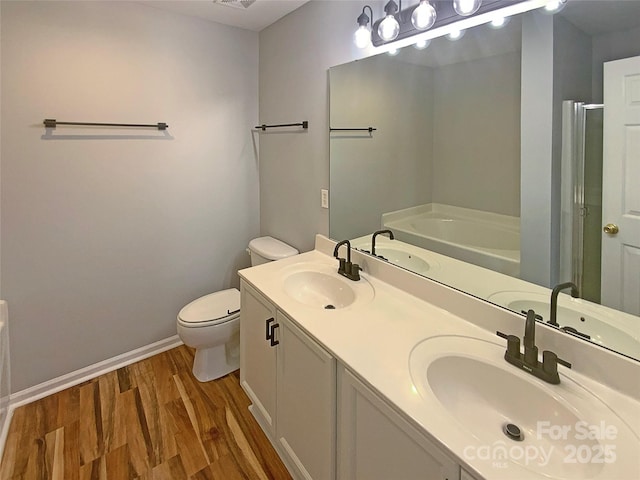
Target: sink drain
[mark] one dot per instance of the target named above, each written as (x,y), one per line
(329,307)
(513,432)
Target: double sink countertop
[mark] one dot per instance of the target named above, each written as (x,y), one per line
(390,339)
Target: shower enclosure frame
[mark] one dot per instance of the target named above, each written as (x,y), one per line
(573,206)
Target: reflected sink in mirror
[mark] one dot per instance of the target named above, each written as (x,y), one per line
(469,380)
(320,286)
(618,332)
(404,259)
(395,252)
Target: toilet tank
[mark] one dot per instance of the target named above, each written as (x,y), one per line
(268,249)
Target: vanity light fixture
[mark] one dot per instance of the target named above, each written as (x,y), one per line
(434,18)
(362,37)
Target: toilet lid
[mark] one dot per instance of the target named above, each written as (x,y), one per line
(216,307)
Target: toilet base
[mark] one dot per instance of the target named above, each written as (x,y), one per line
(215,362)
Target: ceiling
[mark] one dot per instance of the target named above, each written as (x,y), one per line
(255,16)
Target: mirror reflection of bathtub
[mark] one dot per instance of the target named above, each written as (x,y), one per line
(606,327)
(482,238)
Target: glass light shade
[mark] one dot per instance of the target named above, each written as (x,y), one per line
(388,28)
(466,7)
(422,44)
(423,16)
(554,6)
(362,37)
(455,34)
(498,22)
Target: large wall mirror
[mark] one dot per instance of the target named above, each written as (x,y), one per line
(497,159)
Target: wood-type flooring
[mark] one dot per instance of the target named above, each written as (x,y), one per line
(151,420)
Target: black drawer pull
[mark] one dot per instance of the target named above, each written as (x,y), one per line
(269,331)
(274,342)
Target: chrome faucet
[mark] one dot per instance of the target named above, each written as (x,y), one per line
(346,268)
(373,239)
(546,370)
(554,300)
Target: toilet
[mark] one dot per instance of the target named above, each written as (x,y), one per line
(211,324)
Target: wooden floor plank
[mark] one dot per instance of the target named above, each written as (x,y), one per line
(91,436)
(114,433)
(71,450)
(151,420)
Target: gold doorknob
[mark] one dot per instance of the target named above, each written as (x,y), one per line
(611,228)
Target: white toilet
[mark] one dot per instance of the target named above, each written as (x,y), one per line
(211,324)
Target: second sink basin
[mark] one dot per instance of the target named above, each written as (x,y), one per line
(320,286)
(489,401)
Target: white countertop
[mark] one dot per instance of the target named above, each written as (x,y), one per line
(375,339)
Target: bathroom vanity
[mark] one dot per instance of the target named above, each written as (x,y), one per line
(396,376)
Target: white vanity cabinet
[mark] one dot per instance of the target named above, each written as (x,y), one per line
(291,381)
(375,443)
(258,356)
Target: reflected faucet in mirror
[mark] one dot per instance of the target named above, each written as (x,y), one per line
(546,370)
(346,268)
(373,240)
(553,314)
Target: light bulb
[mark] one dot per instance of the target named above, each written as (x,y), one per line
(466,7)
(423,16)
(555,6)
(422,44)
(362,37)
(388,28)
(393,52)
(498,22)
(455,34)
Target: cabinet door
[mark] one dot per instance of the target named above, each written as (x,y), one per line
(306,403)
(464,475)
(258,356)
(374,442)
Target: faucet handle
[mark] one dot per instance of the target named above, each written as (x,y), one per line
(550,362)
(355,271)
(563,362)
(513,344)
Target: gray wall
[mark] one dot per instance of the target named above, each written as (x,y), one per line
(105,238)
(612,46)
(477,134)
(392,168)
(295,55)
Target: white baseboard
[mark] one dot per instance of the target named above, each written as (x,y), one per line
(55,385)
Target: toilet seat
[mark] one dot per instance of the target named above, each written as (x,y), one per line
(213,309)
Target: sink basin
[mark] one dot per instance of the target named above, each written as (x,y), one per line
(593,320)
(404,259)
(480,394)
(320,286)
(399,256)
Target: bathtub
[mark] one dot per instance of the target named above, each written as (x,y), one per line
(482,238)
